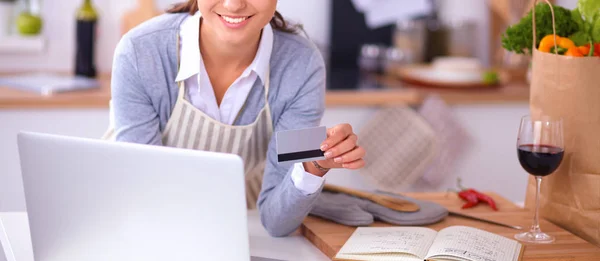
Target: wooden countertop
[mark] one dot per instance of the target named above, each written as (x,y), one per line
(96,98)
(394,94)
(329,237)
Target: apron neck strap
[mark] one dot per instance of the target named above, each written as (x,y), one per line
(267,83)
(180,85)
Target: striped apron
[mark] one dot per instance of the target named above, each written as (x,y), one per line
(190,128)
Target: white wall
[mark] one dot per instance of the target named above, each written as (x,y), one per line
(80,123)
(570,4)
(313,14)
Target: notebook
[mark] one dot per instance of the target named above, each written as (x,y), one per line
(456,243)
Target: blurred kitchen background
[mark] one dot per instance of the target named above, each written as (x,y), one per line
(428,79)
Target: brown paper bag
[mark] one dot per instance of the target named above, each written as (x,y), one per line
(569,87)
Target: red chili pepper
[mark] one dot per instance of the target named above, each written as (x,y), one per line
(480,196)
(485,198)
(470,197)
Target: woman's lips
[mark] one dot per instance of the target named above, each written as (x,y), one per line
(234,22)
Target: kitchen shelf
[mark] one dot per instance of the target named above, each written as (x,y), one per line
(17,44)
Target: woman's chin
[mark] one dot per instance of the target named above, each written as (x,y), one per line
(234,38)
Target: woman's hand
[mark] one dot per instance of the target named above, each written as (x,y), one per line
(341,151)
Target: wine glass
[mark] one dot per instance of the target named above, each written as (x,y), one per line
(540,149)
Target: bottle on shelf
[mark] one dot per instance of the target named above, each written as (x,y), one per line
(85,40)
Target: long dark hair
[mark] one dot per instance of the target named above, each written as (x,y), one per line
(277,22)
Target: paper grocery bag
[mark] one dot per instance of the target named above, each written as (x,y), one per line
(569,87)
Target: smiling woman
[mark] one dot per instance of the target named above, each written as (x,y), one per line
(223,76)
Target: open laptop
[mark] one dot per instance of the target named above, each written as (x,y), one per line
(3,243)
(94,200)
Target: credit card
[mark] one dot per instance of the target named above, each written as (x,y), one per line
(300,145)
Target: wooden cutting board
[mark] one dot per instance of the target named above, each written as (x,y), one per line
(329,237)
(144,10)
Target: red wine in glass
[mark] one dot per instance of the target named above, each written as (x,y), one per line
(540,160)
(540,150)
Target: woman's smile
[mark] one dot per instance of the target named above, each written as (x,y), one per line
(234,22)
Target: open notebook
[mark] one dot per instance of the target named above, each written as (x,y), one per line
(456,243)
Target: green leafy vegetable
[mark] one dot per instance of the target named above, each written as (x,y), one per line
(576,16)
(518,37)
(579,38)
(588,20)
(589,9)
(596,30)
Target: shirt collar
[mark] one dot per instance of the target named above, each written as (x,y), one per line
(189,55)
(191,60)
(263,56)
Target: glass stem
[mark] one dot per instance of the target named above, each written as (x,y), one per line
(536,218)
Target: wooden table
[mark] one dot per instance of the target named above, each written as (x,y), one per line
(329,237)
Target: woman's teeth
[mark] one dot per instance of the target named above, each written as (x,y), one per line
(232,20)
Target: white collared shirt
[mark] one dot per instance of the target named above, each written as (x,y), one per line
(193,72)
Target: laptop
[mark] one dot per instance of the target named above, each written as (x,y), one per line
(95,200)
(3,243)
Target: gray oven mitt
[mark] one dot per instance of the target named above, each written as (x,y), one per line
(352,211)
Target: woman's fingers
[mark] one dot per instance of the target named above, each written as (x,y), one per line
(341,148)
(336,135)
(351,156)
(357,164)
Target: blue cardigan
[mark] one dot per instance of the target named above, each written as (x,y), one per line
(144,92)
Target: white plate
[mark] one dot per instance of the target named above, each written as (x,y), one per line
(427,75)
